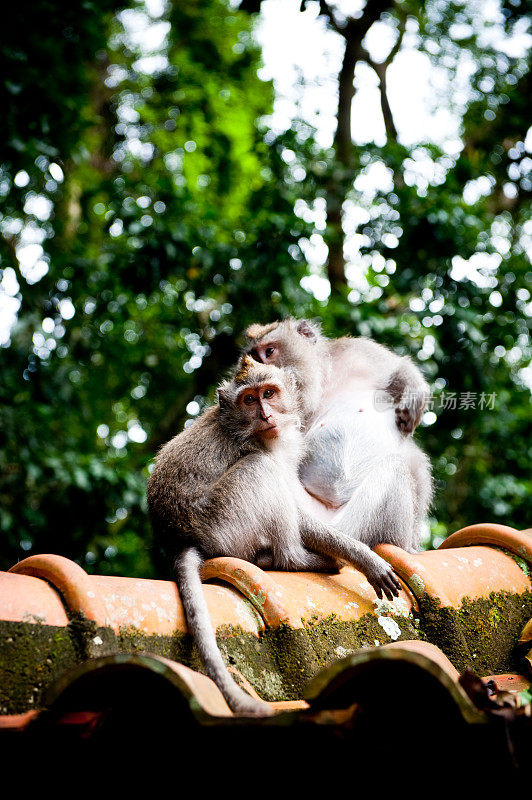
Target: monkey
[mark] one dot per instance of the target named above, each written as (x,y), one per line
(228,485)
(360,404)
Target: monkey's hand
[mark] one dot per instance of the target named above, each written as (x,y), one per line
(382,577)
(409,411)
(410,393)
(329,541)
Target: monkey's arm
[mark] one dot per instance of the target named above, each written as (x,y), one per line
(399,377)
(187,567)
(410,393)
(321,538)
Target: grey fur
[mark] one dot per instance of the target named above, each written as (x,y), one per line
(221,488)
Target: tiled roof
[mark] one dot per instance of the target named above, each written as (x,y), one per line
(320,648)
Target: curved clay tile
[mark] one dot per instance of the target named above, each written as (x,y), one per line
(517,542)
(471,598)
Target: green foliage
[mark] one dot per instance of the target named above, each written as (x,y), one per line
(173,218)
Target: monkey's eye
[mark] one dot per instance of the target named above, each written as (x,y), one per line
(249,399)
(268,393)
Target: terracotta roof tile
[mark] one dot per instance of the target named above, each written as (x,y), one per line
(31,600)
(281,631)
(450,575)
(517,542)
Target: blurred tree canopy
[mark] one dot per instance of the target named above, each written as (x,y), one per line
(149,212)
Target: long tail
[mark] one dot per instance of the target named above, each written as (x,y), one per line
(187,574)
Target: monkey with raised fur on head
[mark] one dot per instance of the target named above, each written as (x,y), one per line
(228,485)
(360,403)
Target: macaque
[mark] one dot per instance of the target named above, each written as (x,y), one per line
(228,485)
(360,403)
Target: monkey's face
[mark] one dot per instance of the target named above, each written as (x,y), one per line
(261,402)
(267,353)
(286,344)
(265,409)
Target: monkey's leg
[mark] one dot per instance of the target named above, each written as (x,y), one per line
(299,558)
(187,573)
(420,470)
(324,539)
(382,507)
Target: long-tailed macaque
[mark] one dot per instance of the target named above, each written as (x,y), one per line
(228,485)
(360,402)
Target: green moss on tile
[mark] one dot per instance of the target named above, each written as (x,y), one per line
(482,633)
(279,662)
(32,655)
(334,638)
(522,564)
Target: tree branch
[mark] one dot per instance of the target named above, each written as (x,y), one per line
(353,31)
(250,6)
(381,69)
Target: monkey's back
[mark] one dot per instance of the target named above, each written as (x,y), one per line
(185,469)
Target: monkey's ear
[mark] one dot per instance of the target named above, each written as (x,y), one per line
(308,329)
(223,400)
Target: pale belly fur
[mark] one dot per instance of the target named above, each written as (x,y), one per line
(344,443)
